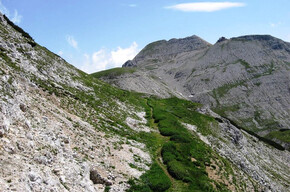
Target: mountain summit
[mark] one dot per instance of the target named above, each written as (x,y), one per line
(245,79)
(163,49)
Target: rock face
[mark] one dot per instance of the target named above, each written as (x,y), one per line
(97,178)
(245,79)
(128,63)
(249,154)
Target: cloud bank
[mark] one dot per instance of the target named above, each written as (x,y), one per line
(15,18)
(104,59)
(205,6)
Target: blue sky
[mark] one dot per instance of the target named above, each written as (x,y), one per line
(95,35)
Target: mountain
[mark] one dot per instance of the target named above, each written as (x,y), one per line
(244,79)
(64,130)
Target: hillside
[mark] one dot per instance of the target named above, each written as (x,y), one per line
(244,79)
(64,130)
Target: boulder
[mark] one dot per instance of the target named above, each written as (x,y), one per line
(96,178)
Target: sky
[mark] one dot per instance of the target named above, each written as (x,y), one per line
(95,35)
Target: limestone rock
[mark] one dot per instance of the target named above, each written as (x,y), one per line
(97,178)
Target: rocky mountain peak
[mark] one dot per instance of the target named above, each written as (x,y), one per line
(160,50)
(255,37)
(266,40)
(222,39)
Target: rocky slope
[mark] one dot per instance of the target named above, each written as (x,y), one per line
(63,130)
(56,133)
(245,79)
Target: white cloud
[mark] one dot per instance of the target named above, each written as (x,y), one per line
(120,56)
(273,25)
(16,18)
(60,53)
(71,41)
(205,6)
(132,5)
(3,9)
(103,59)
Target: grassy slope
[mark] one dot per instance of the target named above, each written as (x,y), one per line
(110,73)
(177,146)
(173,143)
(283,135)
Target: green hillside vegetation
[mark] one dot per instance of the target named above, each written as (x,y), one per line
(282,135)
(174,143)
(110,73)
(179,157)
(177,149)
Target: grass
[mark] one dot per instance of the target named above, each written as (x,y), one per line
(8,61)
(223,90)
(153,180)
(263,139)
(223,109)
(150,48)
(245,64)
(178,147)
(282,135)
(111,73)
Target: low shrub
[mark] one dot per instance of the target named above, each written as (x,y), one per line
(153,180)
(180,138)
(178,170)
(157,180)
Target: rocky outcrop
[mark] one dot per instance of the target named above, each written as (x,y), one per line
(97,178)
(251,155)
(222,39)
(128,63)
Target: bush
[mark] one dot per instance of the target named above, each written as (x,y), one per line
(134,187)
(180,138)
(157,179)
(178,170)
(153,180)
(169,152)
(168,127)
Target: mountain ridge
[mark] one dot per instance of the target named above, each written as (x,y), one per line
(169,48)
(253,65)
